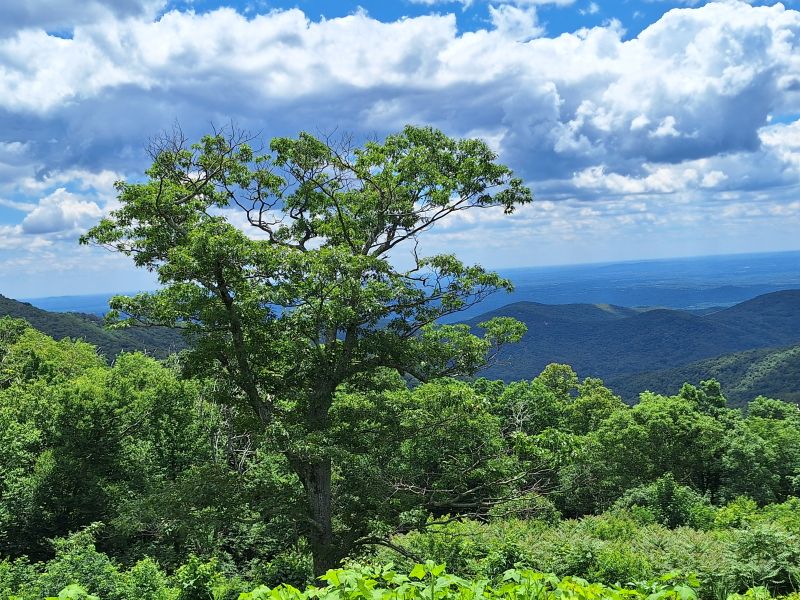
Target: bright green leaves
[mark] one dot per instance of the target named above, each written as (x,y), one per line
(328,193)
(34,356)
(418,572)
(450,350)
(499,331)
(81,441)
(74,592)
(429,581)
(372,198)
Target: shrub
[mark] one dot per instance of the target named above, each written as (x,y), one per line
(671,504)
(78,562)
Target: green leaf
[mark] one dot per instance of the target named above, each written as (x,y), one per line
(418,572)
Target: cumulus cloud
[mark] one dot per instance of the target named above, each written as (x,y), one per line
(61,211)
(598,123)
(515,22)
(776,165)
(697,83)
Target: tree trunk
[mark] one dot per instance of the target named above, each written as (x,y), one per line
(316,477)
(315,470)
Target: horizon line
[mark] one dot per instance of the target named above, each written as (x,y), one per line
(499,269)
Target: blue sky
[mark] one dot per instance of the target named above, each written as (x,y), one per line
(646,129)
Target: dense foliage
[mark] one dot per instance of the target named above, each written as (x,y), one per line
(200,580)
(768,371)
(739,547)
(157,341)
(137,458)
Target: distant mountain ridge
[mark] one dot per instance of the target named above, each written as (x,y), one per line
(752,348)
(693,283)
(157,341)
(92,304)
(615,343)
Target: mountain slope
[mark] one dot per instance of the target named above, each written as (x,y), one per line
(744,375)
(156,341)
(616,341)
(574,313)
(772,318)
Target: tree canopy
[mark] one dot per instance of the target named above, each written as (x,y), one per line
(282,267)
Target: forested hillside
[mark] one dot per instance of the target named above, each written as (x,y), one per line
(744,375)
(621,344)
(157,341)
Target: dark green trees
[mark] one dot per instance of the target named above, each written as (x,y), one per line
(82,442)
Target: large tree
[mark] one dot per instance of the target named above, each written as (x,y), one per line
(283,269)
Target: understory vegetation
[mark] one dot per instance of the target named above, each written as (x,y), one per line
(128,481)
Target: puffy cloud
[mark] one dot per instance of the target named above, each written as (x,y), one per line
(697,83)
(777,164)
(61,211)
(515,22)
(599,124)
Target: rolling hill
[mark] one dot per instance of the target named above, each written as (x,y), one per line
(157,341)
(752,348)
(744,375)
(614,342)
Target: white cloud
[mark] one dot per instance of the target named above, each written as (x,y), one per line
(713,179)
(515,22)
(639,122)
(10,237)
(591,9)
(541,2)
(468,3)
(676,114)
(61,211)
(17,205)
(465,3)
(659,180)
(14,148)
(97,181)
(697,83)
(666,128)
(777,164)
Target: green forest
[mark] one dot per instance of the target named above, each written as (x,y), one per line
(324,435)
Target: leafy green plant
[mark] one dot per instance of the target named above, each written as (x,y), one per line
(199,580)
(430,581)
(670,503)
(74,592)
